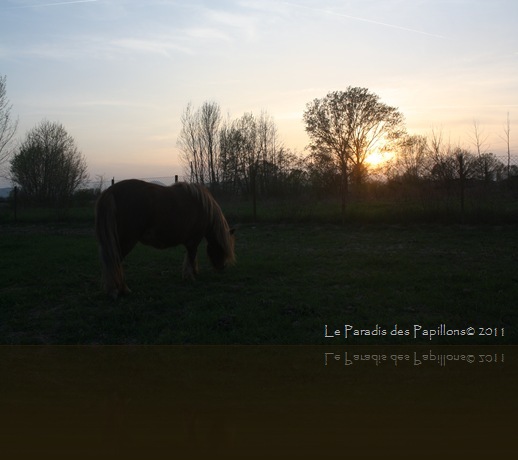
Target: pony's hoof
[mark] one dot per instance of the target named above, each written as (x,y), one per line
(116,293)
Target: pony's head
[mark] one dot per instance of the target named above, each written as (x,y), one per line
(221,249)
(219,236)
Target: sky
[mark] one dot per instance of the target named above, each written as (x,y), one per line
(117,74)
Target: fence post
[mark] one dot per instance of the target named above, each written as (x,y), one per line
(15,197)
(176,178)
(113,180)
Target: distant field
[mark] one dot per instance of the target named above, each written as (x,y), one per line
(289,282)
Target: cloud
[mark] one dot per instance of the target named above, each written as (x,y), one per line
(231,21)
(160,45)
(98,47)
(356,18)
(129,104)
(42,5)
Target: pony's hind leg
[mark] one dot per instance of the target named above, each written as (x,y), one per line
(190,263)
(113,279)
(126,245)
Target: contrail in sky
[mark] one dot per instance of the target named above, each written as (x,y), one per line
(53,4)
(355,18)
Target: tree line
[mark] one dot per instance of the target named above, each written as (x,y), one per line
(236,155)
(245,156)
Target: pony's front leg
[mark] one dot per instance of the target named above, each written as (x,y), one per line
(190,263)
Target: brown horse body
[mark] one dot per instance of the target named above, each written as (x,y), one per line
(134,211)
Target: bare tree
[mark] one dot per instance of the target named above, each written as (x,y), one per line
(199,142)
(411,159)
(210,120)
(487,167)
(349,125)
(464,166)
(8,125)
(48,166)
(271,154)
(249,151)
(439,153)
(322,173)
(507,139)
(230,157)
(240,155)
(479,139)
(264,160)
(190,145)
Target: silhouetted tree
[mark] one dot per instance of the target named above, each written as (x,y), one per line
(479,139)
(270,152)
(230,158)
(410,160)
(507,139)
(199,142)
(464,168)
(210,119)
(250,149)
(485,162)
(48,166)
(8,125)
(487,167)
(439,153)
(240,154)
(324,179)
(286,169)
(348,125)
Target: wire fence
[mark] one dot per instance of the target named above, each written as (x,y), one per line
(496,197)
(103,184)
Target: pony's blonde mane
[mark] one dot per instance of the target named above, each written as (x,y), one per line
(216,220)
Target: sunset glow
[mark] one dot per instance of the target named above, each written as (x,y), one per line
(378,158)
(118,74)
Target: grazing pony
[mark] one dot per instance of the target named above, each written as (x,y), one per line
(133,210)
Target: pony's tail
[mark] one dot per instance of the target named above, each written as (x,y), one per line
(109,247)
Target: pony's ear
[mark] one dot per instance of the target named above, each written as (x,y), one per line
(232,231)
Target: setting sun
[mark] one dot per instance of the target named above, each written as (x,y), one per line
(376,158)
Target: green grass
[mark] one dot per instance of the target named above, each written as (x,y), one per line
(370,212)
(289,282)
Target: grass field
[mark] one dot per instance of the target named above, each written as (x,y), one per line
(290,281)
